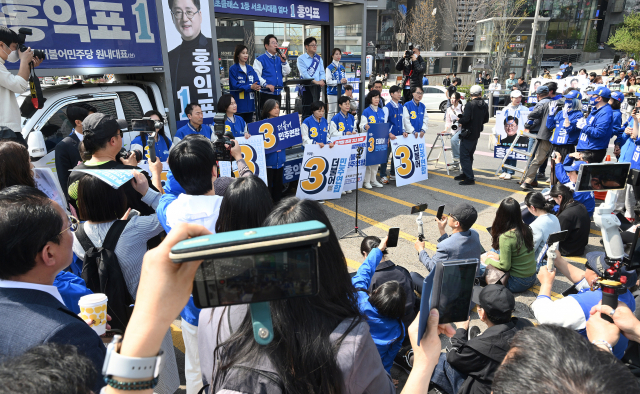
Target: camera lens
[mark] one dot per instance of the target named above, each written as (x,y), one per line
(40,54)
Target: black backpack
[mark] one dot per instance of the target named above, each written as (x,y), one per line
(102,273)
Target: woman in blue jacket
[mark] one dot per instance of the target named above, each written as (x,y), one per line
(235,124)
(564,125)
(163,142)
(243,82)
(371,114)
(275,160)
(315,129)
(383,307)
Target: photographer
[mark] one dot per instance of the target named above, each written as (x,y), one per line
(413,67)
(10,84)
(162,145)
(537,124)
(475,115)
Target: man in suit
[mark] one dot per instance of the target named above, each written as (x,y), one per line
(67,152)
(36,246)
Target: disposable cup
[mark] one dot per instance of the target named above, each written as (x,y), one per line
(94,306)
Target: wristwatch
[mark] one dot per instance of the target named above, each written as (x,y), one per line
(130,367)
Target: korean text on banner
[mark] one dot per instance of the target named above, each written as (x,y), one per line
(296,9)
(410,159)
(113,178)
(355,141)
(279,133)
(377,138)
(82,33)
(501,149)
(253,154)
(323,172)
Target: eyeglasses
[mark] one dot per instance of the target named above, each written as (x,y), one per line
(312,45)
(73,224)
(177,15)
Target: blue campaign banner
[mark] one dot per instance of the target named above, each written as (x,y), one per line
(279,133)
(377,139)
(288,9)
(113,178)
(83,33)
(291,170)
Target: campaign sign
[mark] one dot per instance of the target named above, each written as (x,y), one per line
(49,184)
(377,139)
(279,133)
(291,170)
(253,154)
(323,172)
(113,178)
(355,173)
(410,159)
(83,33)
(501,149)
(296,9)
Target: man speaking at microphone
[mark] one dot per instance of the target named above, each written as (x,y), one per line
(271,67)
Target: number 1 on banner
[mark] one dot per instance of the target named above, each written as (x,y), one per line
(142,19)
(183,96)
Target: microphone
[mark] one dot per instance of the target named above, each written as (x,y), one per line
(279,53)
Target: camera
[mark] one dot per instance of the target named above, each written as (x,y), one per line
(125,154)
(409,53)
(454,125)
(219,149)
(22,36)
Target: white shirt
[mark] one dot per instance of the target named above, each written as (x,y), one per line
(406,121)
(80,136)
(494,87)
(257,67)
(565,312)
(329,76)
(10,85)
(11,284)
(202,210)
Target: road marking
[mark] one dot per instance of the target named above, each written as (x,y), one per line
(554,296)
(176,335)
(456,195)
(484,184)
(353,264)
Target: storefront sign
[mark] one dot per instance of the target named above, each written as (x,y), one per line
(296,9)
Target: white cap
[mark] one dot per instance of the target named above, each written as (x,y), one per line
(516,93)
(475,90)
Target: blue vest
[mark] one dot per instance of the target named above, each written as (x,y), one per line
(318,131)
(205,131)
(395,118)
(271,70)
(337,73)
(373,116)
(344,125)
(237,127)
(162,150)
(240,84)
(416,114)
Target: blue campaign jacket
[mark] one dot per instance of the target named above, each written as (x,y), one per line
(598,131)
(240,84)
(416,112)
(564,135)
(71,287)
(187,129)
(387,333)
(237,127)
(344,125)
(271,70)
(616,115)
(635,159)
(162,150)
(373,116)
(337,73)
(585,198)
(395,118)
(318,132)
(627,150)
(623,137)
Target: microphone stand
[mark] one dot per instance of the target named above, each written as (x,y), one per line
(356,232)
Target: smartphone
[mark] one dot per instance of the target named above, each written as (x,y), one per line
(143,125)
(394,232)
(553,238)
(440,212)
(419,208)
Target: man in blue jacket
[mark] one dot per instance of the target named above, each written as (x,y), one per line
(615,102)
(598,128)
(195,126)
(567,174)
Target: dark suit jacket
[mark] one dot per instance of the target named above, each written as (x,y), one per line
(67,157)
(32,317)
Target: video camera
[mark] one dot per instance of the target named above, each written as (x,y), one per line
(222,138)
(22,36)
(454,125)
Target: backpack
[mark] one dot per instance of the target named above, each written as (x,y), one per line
(102,273)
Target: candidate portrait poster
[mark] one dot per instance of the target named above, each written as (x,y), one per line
(509,126)
(355,173)
(533,86)
(253,154)
(410,159)
(279,133)
(323,172)
(377,139)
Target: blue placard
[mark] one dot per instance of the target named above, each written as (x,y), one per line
(501,148)
(296,9)
(291,170)
(83,33)
(113,178)
(377,140)
(279,133)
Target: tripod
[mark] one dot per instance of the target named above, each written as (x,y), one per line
(356,232)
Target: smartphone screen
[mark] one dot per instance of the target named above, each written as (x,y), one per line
(455,292)
(440,212)
(419,208)
(394,232)
(256,278)
(143,125)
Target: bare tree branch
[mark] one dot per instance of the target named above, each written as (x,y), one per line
(422,26)
(504,26)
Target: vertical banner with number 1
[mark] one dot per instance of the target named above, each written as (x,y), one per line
(410,159)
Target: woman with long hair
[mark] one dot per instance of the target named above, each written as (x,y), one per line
(371,114)
(573,216)
(235,124)
(15,165)
(321,343)
(243,83)
(275,160)
(513,241)
(546,222)
(335,74)
(163,142)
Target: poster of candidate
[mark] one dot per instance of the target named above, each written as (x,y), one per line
(509,125)
(410,159)
(377,138)
(355,173)
(323,172)
(535,84)
(253,154)
(279,133)
(188,34)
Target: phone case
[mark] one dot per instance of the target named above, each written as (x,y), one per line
(256,240)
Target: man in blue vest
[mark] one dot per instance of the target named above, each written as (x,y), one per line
(195,125)
(310,66)
(414,114)
(597,130)
(393,111)
(271,67)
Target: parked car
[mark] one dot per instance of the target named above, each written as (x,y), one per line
(48,81)
(435,98)
(63,81)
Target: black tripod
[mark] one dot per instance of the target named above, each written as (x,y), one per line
(356,232)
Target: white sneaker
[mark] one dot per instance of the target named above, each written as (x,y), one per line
(392,177)
(349,191)
(343,193)
(366,185)
(375,183)
(384,180)
(502,175)
(507,176)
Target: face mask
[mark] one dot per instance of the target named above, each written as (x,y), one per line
(13,56)
(592,100)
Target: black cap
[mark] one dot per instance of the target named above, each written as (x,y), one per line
(496,300)
(103,126)
(465,214)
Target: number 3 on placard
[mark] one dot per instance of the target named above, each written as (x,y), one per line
(372,144)
(249,155)
(269,137)
(405,170)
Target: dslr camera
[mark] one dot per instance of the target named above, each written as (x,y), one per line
(222,138)
(22,36)
(455,124)
(125,154)
(408,53)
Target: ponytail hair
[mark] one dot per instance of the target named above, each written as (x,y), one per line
(537,201)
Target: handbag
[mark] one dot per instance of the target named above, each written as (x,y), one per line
(493,275)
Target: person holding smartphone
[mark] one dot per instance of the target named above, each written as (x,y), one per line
(565,131)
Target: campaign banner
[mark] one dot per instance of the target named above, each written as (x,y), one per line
(500,150)
(355,173)
(410,159)
(287,9)
(113,178)
(323,172)
(377,139)
(291,170)
(509,125)
(279,133)
(49,184)
(253,154)
(83,33)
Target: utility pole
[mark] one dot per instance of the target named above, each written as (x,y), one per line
(533,40)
